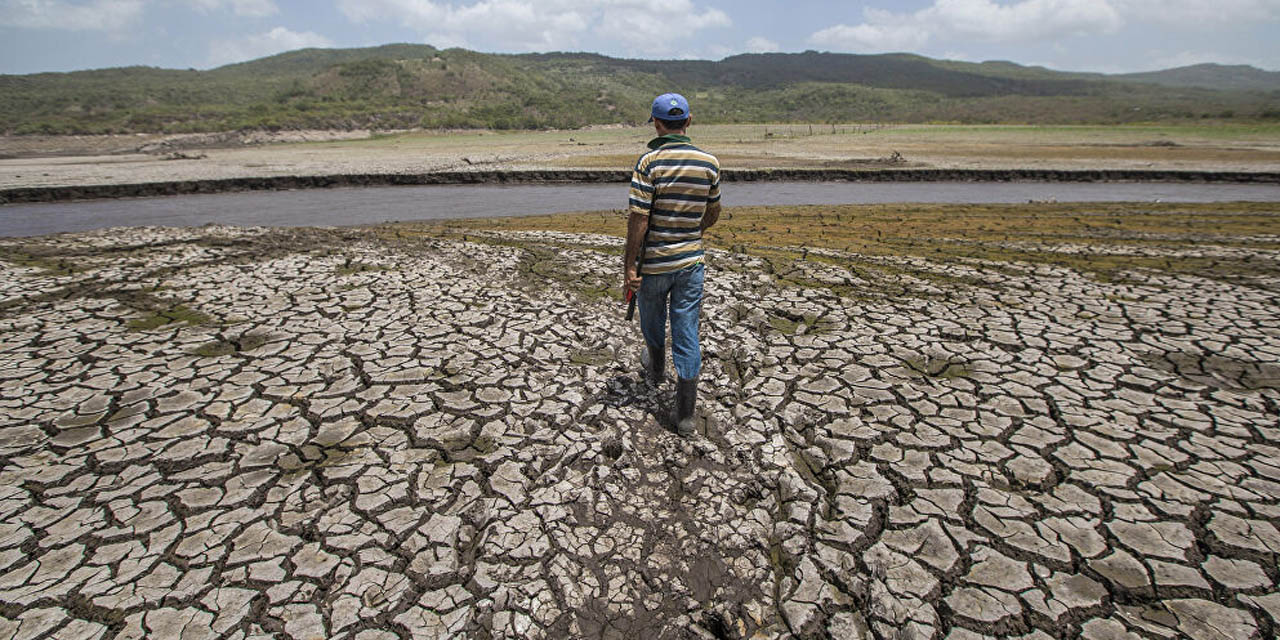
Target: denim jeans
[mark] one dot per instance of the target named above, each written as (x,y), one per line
(681,292)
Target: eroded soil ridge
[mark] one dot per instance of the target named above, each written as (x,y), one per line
(250,433)
(550,176)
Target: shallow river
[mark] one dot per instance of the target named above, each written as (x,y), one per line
(331,207)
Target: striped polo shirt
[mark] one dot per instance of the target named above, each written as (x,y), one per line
(674,184)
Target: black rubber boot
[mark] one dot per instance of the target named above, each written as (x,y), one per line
(686,396)
(654,362)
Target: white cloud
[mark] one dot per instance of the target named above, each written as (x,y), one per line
(872,37)
(1197,13)
(541,25)
(1027,20)
(762,45)
(517,24)
(110,15)
(650,32)
(275,41)
(447,40)
(982,20)
(98,15)
(719,52)
(248,8)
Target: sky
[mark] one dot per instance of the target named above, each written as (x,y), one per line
(1109,36)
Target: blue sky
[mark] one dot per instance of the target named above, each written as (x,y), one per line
(1077,35)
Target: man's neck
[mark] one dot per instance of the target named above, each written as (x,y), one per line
(667,138)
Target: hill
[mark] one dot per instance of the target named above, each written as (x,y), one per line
(1211,76)
(405,85)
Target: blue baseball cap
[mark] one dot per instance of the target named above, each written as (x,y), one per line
(670,106)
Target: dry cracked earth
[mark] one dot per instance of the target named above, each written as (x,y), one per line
(250,433)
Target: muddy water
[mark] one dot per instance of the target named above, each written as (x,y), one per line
(329,207)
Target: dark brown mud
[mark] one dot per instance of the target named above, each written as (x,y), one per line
(552,176)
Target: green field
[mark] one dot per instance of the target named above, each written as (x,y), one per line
(1025,233)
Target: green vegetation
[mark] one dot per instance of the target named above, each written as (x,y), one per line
(50,265)
(406,86)
(351,267)
(791,323)
(593,357)
(936,367)
(229,347)
(172,315)
(999,233)
(1215,76)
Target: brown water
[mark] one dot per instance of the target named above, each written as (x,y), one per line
(337,207)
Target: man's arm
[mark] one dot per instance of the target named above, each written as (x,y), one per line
(637,225)
(711,216)
(640,201)
(712,213)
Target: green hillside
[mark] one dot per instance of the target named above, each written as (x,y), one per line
(403,86)
(1211,76)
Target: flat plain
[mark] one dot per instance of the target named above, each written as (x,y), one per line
(34,161)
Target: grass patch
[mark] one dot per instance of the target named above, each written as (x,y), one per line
(484,444)
(173,315)
(935,367)
(597,292)
(229,347)
(783,325)
(215,349)
(50,265)
(792,324)
(951,232)
(592,357)
(352,268)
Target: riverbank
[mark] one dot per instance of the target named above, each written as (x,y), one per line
(552,176)
(125,160)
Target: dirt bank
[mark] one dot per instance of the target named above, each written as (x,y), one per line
(129,160)
(182,187)
(16,147)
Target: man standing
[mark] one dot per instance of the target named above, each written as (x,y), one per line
(675,196)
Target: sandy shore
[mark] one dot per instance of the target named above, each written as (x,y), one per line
(69,161)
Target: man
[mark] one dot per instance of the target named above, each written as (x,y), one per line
(675,196)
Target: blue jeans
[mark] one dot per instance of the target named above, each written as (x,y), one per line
(682,292)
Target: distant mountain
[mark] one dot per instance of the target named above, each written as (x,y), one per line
(885,71)
(407,85)
(1211,76)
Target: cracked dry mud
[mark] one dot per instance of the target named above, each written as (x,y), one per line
(250,433)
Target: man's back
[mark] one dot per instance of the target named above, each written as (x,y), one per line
(677,185)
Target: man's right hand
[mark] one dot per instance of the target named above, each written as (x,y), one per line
(630,282)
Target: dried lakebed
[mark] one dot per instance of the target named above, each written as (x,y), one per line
(231,432)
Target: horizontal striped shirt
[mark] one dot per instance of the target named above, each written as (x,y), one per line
(676,184)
